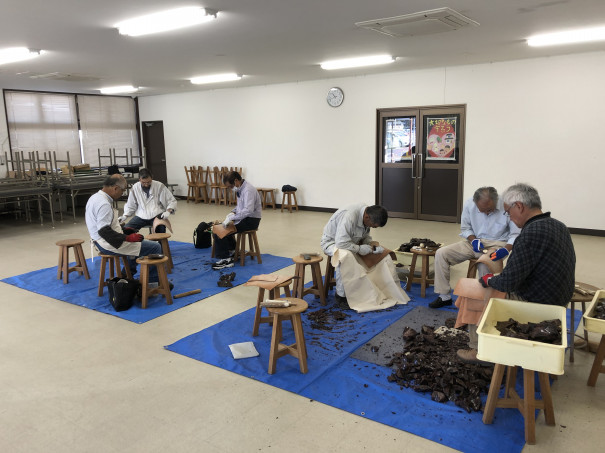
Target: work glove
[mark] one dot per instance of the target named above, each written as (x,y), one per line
(134,237)
(502,252)
(227,221)
(122,218)
(364,249)
(477,245)
(483,280)
(165,215)
(378,250)
(128,230)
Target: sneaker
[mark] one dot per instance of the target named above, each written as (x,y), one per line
(439,302)
(222,264)
(470,356)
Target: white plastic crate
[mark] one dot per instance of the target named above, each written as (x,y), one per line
(531,355)
(592,324)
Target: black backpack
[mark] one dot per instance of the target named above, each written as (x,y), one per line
(202,235)
(122,292)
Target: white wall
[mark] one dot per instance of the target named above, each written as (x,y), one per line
(535,121)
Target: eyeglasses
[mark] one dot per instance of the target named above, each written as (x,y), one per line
(507,211)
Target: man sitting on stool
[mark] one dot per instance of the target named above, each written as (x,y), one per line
(148,200)
(245,216)
(483,226)
(105,230)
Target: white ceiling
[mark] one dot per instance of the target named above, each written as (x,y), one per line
(269,41)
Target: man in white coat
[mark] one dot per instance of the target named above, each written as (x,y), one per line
(150,201)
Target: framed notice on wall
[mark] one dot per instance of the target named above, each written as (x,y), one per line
(441,137)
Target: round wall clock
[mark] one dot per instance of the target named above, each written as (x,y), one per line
(335,97)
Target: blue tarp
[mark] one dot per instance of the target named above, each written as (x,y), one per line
(352,385)
(192,270)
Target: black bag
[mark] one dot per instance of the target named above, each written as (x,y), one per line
(113,170)
(288,188)
(202,236)
(122,292)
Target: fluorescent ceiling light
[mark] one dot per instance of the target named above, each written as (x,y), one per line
(118,89)
(13,54)
(568,37)
(215,78)
(357,62)
(165,21)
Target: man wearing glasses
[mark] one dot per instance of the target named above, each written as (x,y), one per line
(483,227)
(105,230)
(542,266)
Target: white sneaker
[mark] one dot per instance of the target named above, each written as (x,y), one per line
(224,263)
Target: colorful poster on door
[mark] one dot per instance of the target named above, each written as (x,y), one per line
(441,138)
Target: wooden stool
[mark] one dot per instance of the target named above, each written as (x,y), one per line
(240,247)
(114,269)
(597,365)
(163,284)
(329,280)
(472,268)
(577,296)
(273,294)
(162,238)
(424,275)
(526,405)
(63,268)
(298,349)
(286,201)
(267,197)
(299,284)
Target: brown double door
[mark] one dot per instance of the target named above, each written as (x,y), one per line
(420,161)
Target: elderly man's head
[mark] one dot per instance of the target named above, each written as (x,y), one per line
(375,216)
(486,199)
(115,186)
(521,202)
(145,177)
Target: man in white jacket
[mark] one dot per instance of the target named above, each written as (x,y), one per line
(147,200)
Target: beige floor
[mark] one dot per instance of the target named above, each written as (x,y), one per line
(74,380)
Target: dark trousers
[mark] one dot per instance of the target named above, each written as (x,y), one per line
(222,247)
(137,223)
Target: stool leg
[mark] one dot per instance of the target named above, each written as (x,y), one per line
(256,249)
(65,265)
(301,347)
(425,275)
(572,333)
(299,282)
(259,311)
(411,274)
(549,412)
(276,335)
(82,261)
(597,365)
(492,395)
(144,285)
(60,263)
(164,285)
(529,406)
(102,276)
(318,282)
(126,267)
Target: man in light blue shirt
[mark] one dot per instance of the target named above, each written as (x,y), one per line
(483,226)
(245,216)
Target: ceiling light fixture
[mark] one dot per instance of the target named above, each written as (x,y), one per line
(118,89)
(13,54)
(568,37)
(357,62)
(166,20)
(215,78)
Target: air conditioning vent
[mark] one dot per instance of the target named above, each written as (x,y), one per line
(423,23)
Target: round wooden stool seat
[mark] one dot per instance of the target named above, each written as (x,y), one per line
(162,238)
(299,348)
(273,294)
(299,284)
(63,268)
(163,284)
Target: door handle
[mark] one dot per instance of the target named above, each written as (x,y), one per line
(414,166)
(420,167)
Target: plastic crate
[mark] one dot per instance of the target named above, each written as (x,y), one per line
(592,324)
(531,355)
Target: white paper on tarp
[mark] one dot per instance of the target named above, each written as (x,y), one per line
(369,289)
(243,350)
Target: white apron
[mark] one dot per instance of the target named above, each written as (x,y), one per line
(127,248)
